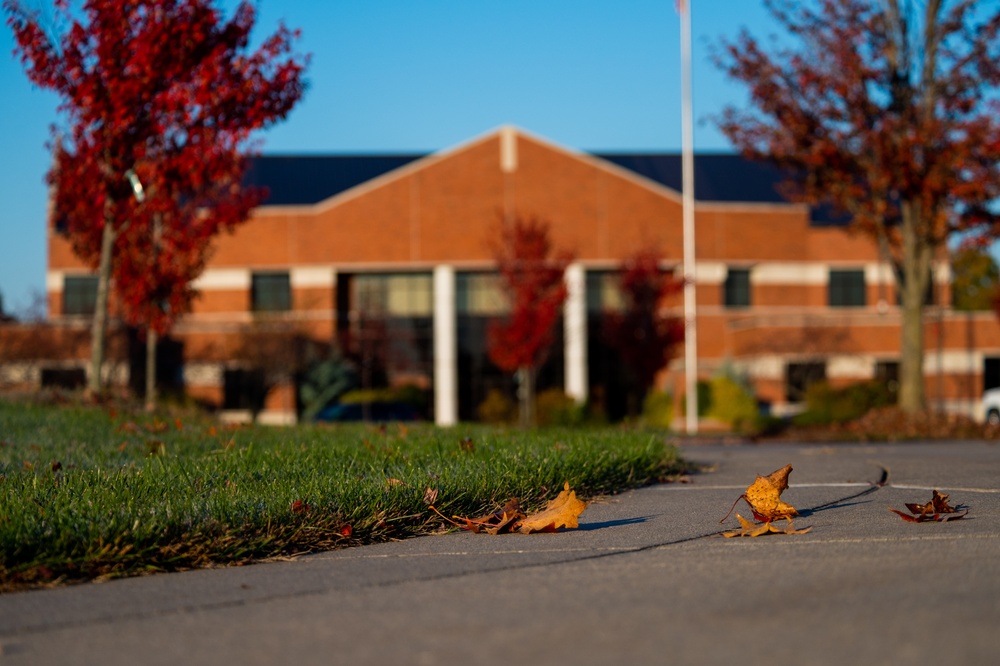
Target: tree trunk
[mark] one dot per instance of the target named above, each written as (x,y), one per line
(151,341)
(915,272)
(526,395)
(98,329)
(151,336)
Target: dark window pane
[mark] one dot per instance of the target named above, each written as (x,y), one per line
(846,288)
(799,376)
(736,290)
(80,295)
(270,292)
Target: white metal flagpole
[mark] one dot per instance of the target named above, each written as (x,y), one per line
(687,186)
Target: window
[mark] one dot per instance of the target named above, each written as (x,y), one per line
(270,292)
(395,295)
(479,294)
(887,372)
(80,295)
(604,292)
(800,376)
(65,378)
(736,289)
(846,289)
(243,388)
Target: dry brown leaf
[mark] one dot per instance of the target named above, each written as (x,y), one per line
(430,495)
(498,522)
(764,496)
(937,510)
(563,511)
(749,529)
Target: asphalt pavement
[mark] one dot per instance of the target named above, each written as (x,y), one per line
(646,579)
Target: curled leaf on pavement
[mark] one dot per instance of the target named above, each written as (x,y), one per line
(764,497)
(749,529)
(937,510)
(560,513)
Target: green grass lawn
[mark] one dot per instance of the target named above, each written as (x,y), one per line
(87,492)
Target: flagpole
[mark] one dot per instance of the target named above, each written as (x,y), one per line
(687,186)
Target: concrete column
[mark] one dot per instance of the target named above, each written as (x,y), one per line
(445,348)
(575,322)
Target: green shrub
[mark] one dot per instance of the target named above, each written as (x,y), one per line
(734,404)
(498,408)
(826,405)
(658,409)
(704,398)
(555,408)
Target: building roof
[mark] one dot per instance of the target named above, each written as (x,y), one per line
(309,179)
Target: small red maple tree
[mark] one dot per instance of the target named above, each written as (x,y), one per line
(643,333)
(168,93)
(531,275)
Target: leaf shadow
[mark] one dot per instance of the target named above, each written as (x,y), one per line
(612,523)
(805,513)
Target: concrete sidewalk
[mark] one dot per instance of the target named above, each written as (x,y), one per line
(646,579)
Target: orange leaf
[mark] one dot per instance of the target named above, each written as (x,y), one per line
(764,496)
(749,529)
(561,512)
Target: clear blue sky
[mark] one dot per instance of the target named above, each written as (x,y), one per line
(425,75)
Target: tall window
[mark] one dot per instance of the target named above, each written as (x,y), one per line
(846,289)
(389,320)
(270,292)
(736,289)
(79,295)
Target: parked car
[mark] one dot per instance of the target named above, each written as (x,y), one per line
(991,406)
(378,412)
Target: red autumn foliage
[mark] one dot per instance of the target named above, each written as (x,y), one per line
(888,114)
(643,333)
(531,275)
(168,90)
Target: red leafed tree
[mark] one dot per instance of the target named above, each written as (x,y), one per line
(886,110)
(531,275)
(643,333)
(161,99)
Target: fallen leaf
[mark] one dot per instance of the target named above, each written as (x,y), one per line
(346,531)
(563,511)
(467,445)
(749,529)
(298,506)
(155,447)
(937,510)
(430,495)
(764,496)
(498,522)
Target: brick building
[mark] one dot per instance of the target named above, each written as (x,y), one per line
(395,248)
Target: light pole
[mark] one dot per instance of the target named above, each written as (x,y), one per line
(687,199)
